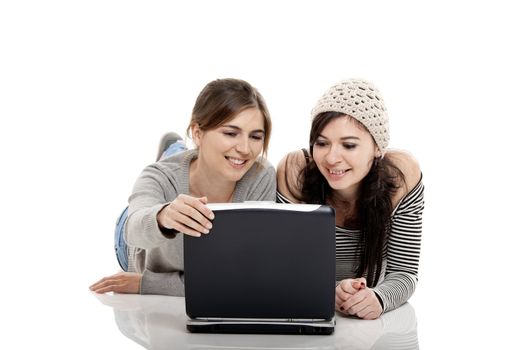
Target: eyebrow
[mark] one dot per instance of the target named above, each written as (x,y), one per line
(237,128)
(342,138)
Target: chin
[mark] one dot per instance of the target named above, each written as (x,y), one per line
(236,176)
(339,185)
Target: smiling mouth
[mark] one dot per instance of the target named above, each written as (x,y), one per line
(236,161)
(337,172)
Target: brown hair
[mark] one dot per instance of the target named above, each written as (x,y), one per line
(222,99)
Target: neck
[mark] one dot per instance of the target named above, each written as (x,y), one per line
(203,182)
(348,195)
(344,202)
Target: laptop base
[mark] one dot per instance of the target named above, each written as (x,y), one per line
(261,327)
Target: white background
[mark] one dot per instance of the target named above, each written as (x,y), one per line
(88,87)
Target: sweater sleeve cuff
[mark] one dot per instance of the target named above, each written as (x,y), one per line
(166,232)
(380,301)
(143,231)
(152,225)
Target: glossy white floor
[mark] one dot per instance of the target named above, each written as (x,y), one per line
(88,88)
(159,322)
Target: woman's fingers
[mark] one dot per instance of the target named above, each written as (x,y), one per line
(341,294)
(200,205)
(192,217)
(359,283)
(97,284)
(355,303)
(354,298)
(363,304)
(177,226)
(106,287)
(188,215)
(123,282)
(188,221)
(352,286)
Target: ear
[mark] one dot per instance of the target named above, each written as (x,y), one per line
(377,152)
(196,134)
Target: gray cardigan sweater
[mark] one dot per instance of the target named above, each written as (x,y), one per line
(156,254)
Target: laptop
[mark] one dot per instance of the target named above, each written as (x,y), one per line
(264,267)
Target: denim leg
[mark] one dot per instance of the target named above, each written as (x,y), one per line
(121,248)
(174,148)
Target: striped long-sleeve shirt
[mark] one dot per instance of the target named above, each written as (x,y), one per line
(399,272)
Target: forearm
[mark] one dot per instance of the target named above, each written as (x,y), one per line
(395,290)
(170,283)
(142,229)
(404,248)
(147,200)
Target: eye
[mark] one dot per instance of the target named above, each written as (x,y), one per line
(320,143)
(349,145)
(230,133)
(257,137)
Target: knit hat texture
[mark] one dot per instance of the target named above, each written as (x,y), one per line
(362,101)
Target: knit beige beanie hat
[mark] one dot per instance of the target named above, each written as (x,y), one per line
(362,101)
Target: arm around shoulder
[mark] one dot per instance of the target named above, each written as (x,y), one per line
(288,176)
(409,167)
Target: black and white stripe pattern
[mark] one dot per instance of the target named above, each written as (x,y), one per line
(400,266)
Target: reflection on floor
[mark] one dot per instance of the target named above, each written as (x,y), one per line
(159,322)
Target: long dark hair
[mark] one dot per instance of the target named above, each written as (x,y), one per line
(374,202)
(222,99)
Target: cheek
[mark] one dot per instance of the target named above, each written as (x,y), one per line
(257,147)
(223,144)
(317,156)
(365,164)
(368,159)
(318,160)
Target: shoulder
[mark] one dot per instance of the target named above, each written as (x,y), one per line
(258,183)
(176,162)
(262,168)
(264,165)
(288,172)
(261,173)
(409,167)
(171,173)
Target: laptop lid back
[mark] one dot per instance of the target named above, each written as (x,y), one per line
(270,261)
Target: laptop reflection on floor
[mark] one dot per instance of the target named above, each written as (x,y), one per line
(263,268)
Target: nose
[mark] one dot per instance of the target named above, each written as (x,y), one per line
(243,145)
(333,156)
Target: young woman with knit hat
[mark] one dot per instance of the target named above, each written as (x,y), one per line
(230,127)
(377,195)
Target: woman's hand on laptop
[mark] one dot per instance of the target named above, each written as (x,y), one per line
(353,297)
(122,282)
(187,214)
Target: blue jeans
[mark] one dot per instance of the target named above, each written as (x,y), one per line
(121,248)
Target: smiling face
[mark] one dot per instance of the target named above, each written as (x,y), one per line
(230,150)
(344,152)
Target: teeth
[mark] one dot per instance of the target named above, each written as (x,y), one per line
(337,172)
(236,161)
